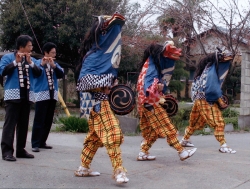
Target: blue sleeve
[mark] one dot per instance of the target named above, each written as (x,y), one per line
(6,60)
(59,71)
(213,89)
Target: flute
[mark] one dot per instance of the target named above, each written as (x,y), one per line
(23,54)
(48,58)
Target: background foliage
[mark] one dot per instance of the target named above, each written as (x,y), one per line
(63,22)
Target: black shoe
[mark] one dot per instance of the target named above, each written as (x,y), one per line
(36,149)
(24,155)
(46,146)
(9,158)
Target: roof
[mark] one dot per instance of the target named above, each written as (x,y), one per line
(220,30)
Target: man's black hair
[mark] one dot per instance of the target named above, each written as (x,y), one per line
(48,46)
(22,41)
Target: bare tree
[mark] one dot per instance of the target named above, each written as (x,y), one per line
(199,26)
(138,32)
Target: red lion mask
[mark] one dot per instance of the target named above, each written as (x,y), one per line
(170,51)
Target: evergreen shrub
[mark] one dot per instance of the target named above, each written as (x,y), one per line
(74,124)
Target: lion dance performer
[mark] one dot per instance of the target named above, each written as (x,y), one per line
(98,73)
(208,99)
(156,70)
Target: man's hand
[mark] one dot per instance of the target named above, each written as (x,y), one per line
(160,87)
(48,60)
(43,62)
(28,58)
(115,82)
(222,103)
(106,90)
(19,57)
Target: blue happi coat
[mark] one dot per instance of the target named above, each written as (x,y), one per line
(210,82)
(41,86)
(12,86)
(99,68)
(164,76)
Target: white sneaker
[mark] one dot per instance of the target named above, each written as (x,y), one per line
(186,153)
(186,143)
(121,177)
(84,172)
(145,157)
(225,149)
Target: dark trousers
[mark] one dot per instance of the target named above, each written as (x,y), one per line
(16,118)
(44,113)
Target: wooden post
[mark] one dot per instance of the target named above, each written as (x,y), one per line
(63,104)
(65,84)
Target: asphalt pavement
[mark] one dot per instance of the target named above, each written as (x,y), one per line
(207,169)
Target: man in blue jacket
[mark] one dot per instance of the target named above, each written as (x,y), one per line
(19,69)
(46,96)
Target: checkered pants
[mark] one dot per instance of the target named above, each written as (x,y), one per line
(155,124)
(104,130)
(203,113)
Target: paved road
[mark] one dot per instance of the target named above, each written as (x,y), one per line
(207,169)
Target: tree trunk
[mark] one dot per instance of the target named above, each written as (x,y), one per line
(178,95)
(187,89)
(187,68)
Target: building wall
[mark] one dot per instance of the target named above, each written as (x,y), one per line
(244,117)
(210,42)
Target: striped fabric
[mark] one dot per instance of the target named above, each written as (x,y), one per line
(104,130)
(155,124)
(203,113)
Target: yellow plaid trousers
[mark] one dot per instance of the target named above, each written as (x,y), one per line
(104,130)
(203,113)
(155,124)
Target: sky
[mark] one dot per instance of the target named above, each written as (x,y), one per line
(217,2)
(242,4)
